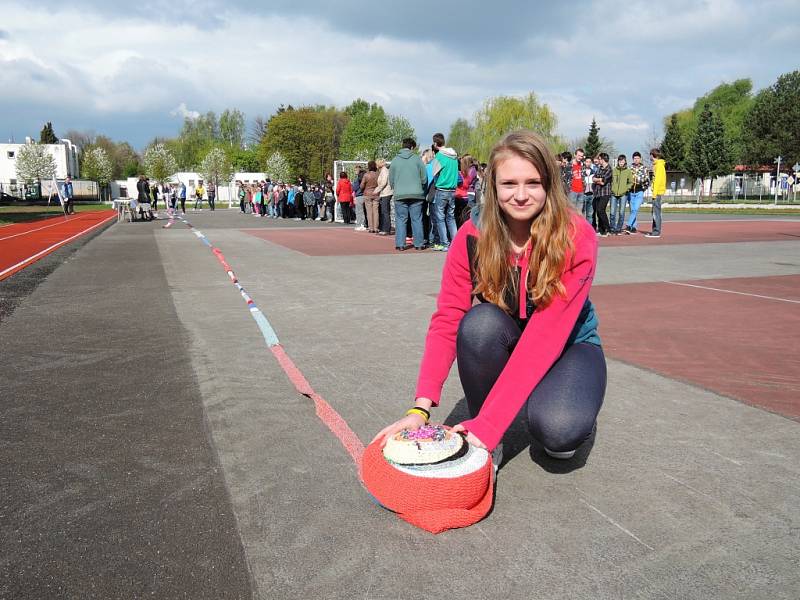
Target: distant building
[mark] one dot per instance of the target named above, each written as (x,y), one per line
(64,152)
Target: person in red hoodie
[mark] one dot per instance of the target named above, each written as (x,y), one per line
(537,350)
(344,194)
(466,175)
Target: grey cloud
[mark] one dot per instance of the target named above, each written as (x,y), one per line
(469,27)
(576,50)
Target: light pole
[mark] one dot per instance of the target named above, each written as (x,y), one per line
(796,169)
(777,177)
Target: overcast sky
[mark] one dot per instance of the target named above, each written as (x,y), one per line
(134,71)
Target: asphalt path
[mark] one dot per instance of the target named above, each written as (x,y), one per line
(110,485)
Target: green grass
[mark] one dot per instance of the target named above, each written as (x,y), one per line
(21,214)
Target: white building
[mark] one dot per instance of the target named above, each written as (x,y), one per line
(65,154)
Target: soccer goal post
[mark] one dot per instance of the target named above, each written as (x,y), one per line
(350,167)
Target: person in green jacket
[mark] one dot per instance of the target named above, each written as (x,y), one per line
(621,183)
(409,180)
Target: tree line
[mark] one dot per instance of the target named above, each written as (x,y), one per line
(730,125)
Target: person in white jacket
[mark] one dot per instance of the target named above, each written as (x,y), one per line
(385,193)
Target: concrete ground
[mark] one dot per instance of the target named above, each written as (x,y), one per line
(152,446)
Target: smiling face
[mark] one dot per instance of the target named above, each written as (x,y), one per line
(520,191)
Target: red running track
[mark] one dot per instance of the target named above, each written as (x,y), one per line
(22,244)
(737,337)
(710,232)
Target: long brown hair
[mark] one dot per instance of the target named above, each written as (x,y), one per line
(550,230)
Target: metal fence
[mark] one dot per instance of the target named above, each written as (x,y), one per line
(736,188)
(14,191)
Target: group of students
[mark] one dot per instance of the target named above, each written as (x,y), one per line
(591,183)
(172,194)
(423,199)
(280,200)
(428,197)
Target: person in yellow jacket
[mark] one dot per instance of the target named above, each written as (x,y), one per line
(659,189)
(199,192)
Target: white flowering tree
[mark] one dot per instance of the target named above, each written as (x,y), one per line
(35,163)
(277,167)
(159,163)
(97,167)
(216,167)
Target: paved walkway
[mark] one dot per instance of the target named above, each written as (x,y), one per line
(169,456)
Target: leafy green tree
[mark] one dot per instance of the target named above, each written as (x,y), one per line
(97,167)
(503,114)
(593,146)
(231,128)
(216,167)
(35,163)
(365,132)
(306,137)
(673,147)
(772,125)
(159,163)
(277,167)
(125,161)
(460,136)
(196,138)
(399,129)
(731,102)
(709,155)
(245,160)
(47,135)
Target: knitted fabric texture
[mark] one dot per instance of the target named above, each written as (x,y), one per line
(430,503)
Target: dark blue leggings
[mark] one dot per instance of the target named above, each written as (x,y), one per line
(561,411)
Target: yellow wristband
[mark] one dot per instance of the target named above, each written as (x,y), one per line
(419,411)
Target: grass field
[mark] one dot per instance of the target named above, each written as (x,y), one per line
(20,214)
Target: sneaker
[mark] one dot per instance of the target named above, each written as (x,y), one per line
(603,234)
(382,233)
(653,234)
(360,228)
(560,455)
(497,456)
(409,240)
(633,231)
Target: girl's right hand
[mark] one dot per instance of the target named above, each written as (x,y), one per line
(412,422)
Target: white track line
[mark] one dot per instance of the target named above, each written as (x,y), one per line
(54,246)
(703,287)
(615,524)
(8,237)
